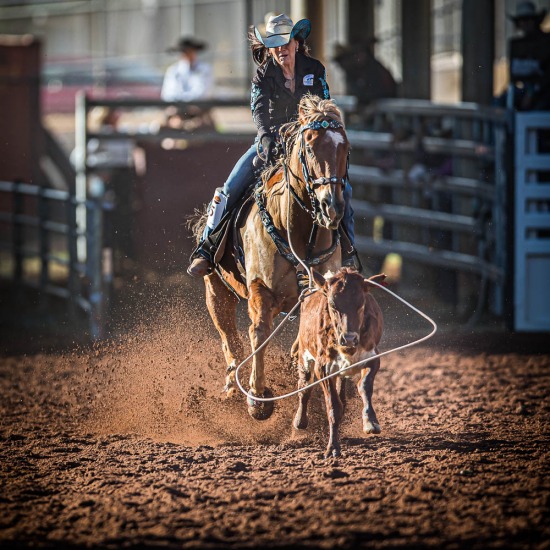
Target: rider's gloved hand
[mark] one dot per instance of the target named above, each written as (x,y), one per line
(268,148)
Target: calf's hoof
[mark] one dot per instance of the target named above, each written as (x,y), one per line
(300,421)
(371,427)
(260,410)
(333,453)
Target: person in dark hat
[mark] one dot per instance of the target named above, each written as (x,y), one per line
(285,73)
(366,78)
(529,56)
(188,78)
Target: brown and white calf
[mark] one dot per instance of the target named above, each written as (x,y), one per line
(340,324)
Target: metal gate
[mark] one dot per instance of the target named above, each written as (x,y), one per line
(532,222)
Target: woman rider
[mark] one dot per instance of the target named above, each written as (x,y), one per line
(285,73)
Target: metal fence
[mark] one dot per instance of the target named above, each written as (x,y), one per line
(39,246)
(532,222)
(430,185)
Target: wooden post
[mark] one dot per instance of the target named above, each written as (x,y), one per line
(360,20)
(478,50)
(416,49)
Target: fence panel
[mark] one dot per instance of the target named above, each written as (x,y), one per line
(430,185)
(532,222)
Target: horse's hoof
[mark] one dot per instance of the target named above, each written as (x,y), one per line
(371,427)
(260,410)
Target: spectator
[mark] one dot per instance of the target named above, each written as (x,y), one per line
(529,56)
(366,78)
(188,78)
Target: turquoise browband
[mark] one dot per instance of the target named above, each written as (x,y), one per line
(322,124)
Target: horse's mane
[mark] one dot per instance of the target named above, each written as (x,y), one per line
(310,108)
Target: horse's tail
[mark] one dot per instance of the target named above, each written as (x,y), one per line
(196,222)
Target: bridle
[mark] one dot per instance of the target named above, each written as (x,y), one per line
(312,183)
(314,211)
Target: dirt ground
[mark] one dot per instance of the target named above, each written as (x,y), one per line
(129,445)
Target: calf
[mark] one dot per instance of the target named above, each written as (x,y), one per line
(340,324)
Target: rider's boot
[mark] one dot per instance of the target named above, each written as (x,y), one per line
(200,267)
(201,263)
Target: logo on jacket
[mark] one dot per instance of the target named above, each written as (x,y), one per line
(308,80)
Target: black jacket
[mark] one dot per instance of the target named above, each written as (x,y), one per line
(272,104)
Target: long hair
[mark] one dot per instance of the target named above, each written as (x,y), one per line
(260,54)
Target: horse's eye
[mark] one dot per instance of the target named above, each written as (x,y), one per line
(309,150)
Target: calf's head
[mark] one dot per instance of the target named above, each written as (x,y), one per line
(345,293)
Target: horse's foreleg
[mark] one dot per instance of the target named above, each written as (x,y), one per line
(365,387)
(261,310)
(335,412)
(222,306)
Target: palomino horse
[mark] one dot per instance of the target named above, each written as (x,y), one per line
(304,190)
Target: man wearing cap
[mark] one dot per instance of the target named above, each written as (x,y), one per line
(189,78)
(529,56)
(285,73)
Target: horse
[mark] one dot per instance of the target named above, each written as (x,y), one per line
(340,324)
(299,199)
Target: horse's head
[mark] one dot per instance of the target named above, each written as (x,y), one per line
(323,149)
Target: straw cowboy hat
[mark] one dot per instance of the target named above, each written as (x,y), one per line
(187,43)
(527,10)
(280,30)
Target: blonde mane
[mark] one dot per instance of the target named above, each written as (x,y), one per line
(310,109)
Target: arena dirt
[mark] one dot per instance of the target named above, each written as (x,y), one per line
(129,444)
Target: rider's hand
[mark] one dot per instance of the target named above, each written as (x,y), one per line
(268,148)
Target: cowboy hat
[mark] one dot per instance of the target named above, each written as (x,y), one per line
(187,43)
(280,30)
(527,10)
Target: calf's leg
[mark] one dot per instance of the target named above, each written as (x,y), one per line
(365,387)
(300,418)
(335,412)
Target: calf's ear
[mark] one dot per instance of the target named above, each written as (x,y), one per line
(380,279)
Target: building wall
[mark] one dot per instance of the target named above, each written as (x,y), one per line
(141,30)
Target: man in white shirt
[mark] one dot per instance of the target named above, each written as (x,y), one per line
(187,79)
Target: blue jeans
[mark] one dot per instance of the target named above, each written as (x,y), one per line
(242,176)
(237,182)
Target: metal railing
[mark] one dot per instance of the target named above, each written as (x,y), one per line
(40,235)
(532,222)
(433,178)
